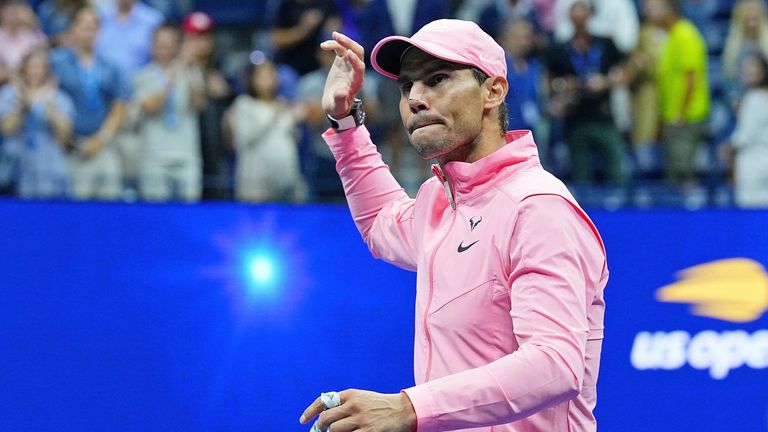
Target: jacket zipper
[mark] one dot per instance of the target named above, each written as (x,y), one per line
(439,173)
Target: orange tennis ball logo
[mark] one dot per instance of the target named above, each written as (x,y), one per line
(733,290)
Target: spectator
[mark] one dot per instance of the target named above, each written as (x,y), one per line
(199,47)
(642,67)
(36,120)
(124,40)
(170,95)
(747,36)
(749,141)
(683,91)
(582,73)
(263,132)
(125,37)
(99,93)
(56,16)
(524,73)
(297,30)
(19,35)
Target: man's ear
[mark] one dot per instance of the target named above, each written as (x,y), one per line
(497,91)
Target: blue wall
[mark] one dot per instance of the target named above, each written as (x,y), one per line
(233,318)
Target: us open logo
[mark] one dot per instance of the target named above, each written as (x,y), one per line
(733,290)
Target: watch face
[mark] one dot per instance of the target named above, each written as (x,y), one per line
(356,117)
(360,116)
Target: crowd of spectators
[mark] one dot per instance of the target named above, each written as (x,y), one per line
(632,102)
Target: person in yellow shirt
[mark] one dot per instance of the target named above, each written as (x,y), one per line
(683,90)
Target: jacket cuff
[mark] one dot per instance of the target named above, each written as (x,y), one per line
(346,141)
(424,405)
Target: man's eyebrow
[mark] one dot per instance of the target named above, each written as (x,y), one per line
(431,68)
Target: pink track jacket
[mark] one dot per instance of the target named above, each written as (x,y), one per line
(510,279)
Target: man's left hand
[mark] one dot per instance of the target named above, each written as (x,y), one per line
(364,411)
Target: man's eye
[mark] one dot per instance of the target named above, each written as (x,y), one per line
(436,79)
(406,87)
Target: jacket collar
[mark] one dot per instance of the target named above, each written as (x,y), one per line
(470,179)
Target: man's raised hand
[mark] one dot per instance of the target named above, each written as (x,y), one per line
(345,79)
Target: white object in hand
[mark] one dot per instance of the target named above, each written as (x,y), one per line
(329,400)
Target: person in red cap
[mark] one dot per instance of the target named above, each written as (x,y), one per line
(510,270)
(198,51)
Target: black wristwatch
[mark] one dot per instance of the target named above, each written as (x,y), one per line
(355,118)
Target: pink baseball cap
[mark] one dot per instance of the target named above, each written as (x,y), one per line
(452,40)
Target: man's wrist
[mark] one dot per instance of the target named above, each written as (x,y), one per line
(411,421)
(105,136)
(354,118)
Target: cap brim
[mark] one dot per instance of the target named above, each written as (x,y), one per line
(387,54)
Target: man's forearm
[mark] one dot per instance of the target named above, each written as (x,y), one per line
(371,189)
(114,120)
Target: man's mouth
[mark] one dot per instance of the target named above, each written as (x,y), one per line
(422,124)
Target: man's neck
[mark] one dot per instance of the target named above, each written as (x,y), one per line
(485,144)
(84,53)
(124,11)
(670,21)
(581,41)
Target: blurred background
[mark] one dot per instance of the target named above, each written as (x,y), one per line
(177,254)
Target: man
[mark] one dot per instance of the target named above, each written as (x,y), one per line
(170,95)
(510,271)
(524,72)
(199,51)
(99,93)
(683,91)
(582,73)
(125,40)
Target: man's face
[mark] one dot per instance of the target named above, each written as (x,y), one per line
(655,11)
(85,28)
(441,104)
(201,45)
(165,46)
(580,13)
(127,4)
(518,38)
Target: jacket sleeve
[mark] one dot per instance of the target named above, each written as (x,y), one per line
(556,262)
(381,209)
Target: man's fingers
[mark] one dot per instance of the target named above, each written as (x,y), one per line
(348,43)
(331,45)
(312,411)
(330,417)
(348,424)
(357,63)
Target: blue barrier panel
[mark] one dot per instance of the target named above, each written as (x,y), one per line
(225,317)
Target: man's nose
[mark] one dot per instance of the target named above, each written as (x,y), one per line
(416,98)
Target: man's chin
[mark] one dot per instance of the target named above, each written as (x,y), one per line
(430,148)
